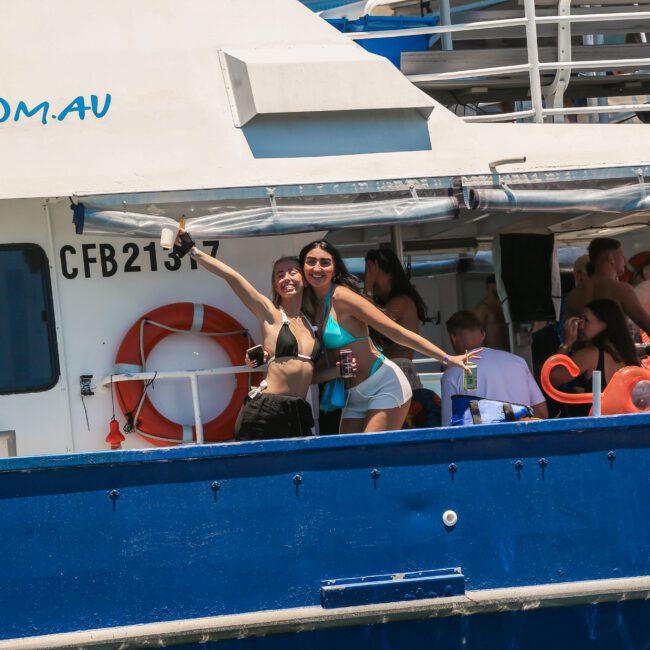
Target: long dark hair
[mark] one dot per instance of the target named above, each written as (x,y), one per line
(401,285)
(615,338)
(341,275)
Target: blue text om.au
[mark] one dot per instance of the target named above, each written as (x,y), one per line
(44,111)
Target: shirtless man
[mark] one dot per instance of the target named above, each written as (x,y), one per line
(490,314)
(608,260)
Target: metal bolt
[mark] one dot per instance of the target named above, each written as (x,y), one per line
(453,468)
(114,494)
(543,463)
(297,479)
(611,455)
(519,465)
(215,486)
(375,473)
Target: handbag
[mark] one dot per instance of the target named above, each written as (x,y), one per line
(466,409)
(333,396)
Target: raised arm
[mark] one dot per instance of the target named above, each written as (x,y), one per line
(366,312)
(258,303)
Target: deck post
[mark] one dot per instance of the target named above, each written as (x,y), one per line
(198,420)
(445,19)
(595,389)
(533,60)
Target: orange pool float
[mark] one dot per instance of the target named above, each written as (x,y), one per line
(623,394)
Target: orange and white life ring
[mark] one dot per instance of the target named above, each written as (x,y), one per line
(144,335)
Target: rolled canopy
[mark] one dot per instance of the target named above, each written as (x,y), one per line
(269,219)
(624,200)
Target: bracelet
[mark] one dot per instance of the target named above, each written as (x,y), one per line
(445,360)
(564,347)
(194,252)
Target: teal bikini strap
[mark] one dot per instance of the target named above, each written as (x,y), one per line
(378,362)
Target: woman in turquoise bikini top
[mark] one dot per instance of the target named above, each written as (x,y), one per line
(344,316)
(334,337)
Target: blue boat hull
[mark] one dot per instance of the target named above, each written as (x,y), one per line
(125,538)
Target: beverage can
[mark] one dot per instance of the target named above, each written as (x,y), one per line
(345,359)
(470,378)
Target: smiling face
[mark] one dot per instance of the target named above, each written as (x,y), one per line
(590,325)
(287,279)
(318,268)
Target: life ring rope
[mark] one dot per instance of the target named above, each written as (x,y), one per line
(204,320)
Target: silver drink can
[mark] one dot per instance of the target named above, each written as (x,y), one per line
(470,379)
(345,359)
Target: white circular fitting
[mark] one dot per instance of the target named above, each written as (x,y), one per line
(449,518)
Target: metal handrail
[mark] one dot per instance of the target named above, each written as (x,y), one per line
(527,67)
(192,375)
(577,110)
(495,24)
(533,67)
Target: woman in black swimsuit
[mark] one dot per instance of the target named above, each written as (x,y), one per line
(607,346)
(277,408)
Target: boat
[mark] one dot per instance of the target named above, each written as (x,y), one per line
(266,128)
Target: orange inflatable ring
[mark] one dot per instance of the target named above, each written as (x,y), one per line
(616,399)
(189,317)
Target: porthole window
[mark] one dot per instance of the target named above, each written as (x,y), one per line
(29,359)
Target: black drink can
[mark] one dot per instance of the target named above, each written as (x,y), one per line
(345,359)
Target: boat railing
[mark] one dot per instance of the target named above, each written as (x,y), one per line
(428,379)
(193,375)
(534,67)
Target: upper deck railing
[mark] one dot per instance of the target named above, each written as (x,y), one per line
(533,66)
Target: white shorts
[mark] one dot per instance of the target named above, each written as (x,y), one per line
(385,389)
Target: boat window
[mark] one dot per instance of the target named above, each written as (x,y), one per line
(29,361)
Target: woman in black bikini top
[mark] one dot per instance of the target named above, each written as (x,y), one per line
(277,408)
(286,345)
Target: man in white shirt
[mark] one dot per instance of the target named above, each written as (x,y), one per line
(501,375)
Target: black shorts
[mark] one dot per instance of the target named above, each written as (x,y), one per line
(266,417)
